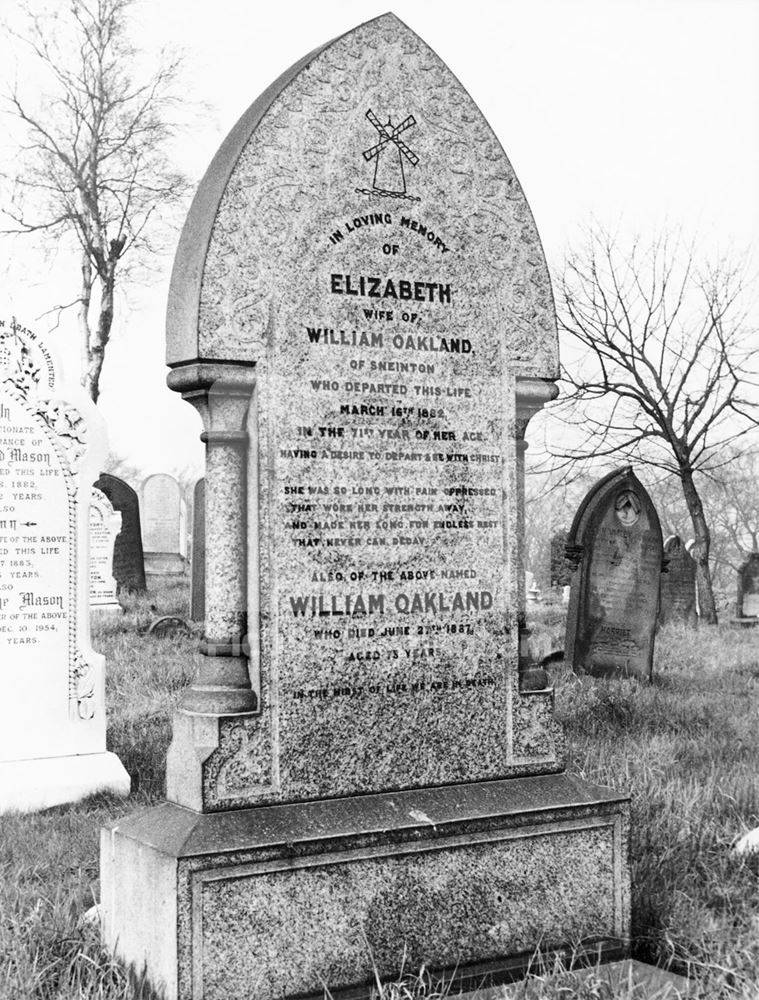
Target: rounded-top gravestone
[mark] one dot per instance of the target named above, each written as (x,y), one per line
(161,505)
(615,547)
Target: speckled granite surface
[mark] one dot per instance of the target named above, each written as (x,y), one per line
(362,243)
(276,900)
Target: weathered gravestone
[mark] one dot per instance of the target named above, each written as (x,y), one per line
(677,599)
(747,603)
(128,559)
(358,772)
(615,547)
(52,712)
(105,524)
(198,576)
(161,503)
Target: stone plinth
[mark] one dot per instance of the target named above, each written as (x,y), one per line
(277,901)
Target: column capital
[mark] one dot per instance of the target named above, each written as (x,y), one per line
(219,392)
(531,396)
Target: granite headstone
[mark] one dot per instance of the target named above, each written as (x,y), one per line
(747,603)
(128,559)
(360,769)
(161,506)
(52,710)
(105,524)
(677,600)
(615,547)
(198,573)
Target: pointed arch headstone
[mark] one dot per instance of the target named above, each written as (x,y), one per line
(360,310)
(615,548)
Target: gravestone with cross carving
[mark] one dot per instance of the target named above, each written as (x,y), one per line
(52,712)
(366,765)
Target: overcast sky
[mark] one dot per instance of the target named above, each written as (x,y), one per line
(640,113)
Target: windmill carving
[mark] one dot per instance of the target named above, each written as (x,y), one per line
(388,155)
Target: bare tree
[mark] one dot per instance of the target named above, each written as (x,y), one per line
(93,158)
(661,373)
(734,506)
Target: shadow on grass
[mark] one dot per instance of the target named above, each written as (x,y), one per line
(141,745)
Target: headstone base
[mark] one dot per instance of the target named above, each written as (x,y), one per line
(28,785)
(745,622)
(108,609)
(164,564)
(281,901)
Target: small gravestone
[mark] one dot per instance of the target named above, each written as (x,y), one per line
(198,576)
(52,713)
(615,547)
(677,601)
(128,559)
(362,769)
(747,603)
(105,524)
(161,506)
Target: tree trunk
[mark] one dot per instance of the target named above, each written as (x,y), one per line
(99,339)
(84,310)
(702,541)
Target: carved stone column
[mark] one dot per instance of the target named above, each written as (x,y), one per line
(222,686)
(531,396)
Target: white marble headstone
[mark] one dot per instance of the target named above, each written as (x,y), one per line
(52,709)
(161,513)
(105,524)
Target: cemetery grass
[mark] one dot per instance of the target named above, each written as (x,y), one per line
(686,747)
